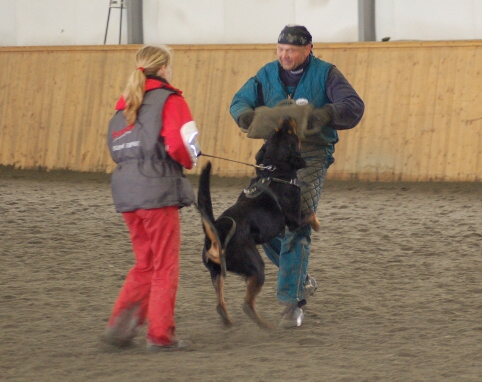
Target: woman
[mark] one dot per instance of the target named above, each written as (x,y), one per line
(151,137)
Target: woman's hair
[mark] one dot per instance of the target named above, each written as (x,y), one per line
(149,60)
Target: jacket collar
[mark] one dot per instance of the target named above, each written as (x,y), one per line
(151,84)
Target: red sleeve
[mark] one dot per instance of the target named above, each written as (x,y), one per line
(175,114)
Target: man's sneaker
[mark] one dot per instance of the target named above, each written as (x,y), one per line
(178,345)
(291,317)
(310,287)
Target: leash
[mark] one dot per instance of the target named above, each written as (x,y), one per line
(260,166)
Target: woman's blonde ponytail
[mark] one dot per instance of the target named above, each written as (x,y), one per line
(149,60)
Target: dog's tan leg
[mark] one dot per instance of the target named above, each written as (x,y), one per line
(213,254)
(313,221)
(222,310)
(249,307)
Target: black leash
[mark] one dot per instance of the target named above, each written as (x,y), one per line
(260,166)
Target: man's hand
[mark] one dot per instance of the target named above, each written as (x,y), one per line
(245,119)
(318,119)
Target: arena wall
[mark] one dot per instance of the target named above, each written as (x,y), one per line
(423,117)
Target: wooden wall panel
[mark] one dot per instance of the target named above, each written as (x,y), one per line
(423,118)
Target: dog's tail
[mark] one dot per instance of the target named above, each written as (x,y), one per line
(204,202)
(216,251)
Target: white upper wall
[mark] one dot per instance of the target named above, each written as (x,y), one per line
(429,19)
(83,22)
(247,21)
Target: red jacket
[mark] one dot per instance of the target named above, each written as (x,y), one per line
(175,115)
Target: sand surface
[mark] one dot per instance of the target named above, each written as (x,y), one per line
(398,265)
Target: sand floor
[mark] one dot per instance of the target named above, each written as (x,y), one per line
(398,265)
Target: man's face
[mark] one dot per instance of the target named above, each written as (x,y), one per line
(292,56)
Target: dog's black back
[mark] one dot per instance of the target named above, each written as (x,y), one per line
(258,219)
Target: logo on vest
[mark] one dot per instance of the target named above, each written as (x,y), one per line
(126,145)
(302,101)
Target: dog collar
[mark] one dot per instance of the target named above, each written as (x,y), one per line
(260,186)
(294,181)
(261,166)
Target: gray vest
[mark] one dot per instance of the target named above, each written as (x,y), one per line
(145,176)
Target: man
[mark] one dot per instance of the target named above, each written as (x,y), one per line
(330,104)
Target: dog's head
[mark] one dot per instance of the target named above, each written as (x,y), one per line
(282,150)
(287,125)
(286,133)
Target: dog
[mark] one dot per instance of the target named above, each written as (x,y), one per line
(271,202)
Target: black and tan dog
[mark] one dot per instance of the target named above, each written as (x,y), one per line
(271,202)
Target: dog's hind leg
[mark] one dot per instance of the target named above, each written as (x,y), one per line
(253,287)
(312,220)
(221,308)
